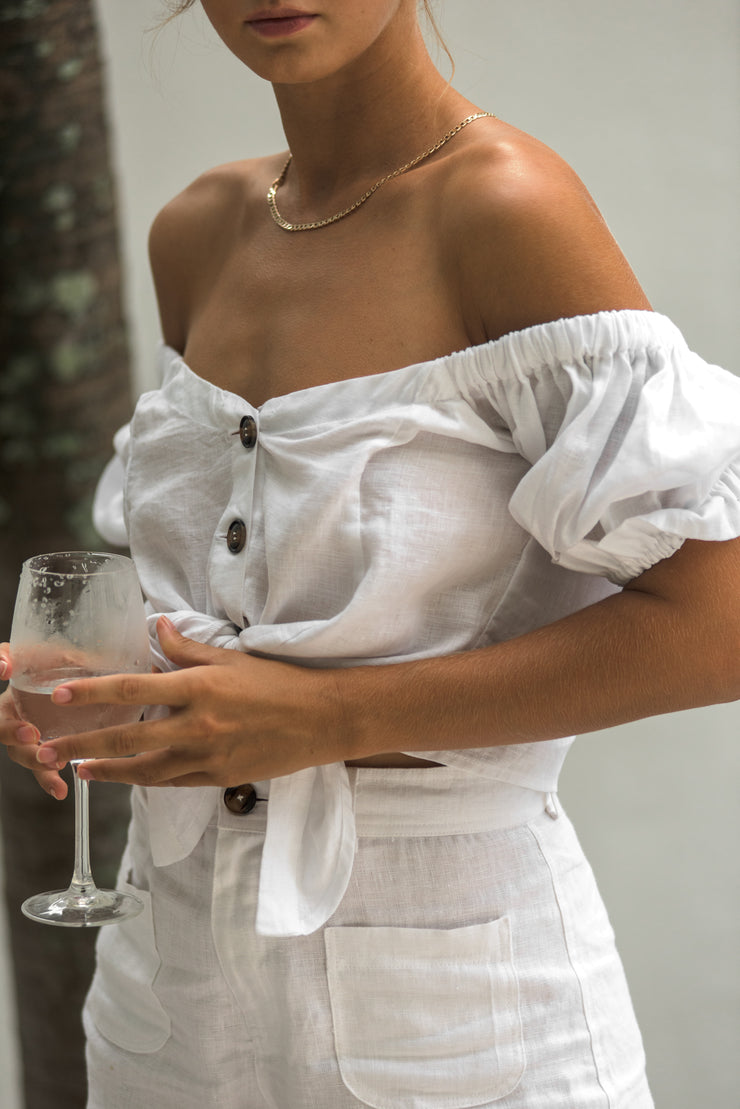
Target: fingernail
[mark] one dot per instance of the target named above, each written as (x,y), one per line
(56,792)
(61,696)
(84,774)
(3,670)
(27,734)
(46,755)
(168,623)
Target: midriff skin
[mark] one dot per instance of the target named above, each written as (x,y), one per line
(394,760)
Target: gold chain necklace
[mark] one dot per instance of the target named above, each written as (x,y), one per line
(286,226)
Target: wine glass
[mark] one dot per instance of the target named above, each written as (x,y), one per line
(78,614)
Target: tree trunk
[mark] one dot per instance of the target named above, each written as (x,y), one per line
(64,388)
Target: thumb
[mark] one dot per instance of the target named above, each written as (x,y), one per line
(182,651)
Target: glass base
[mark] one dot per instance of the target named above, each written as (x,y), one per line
(74,908)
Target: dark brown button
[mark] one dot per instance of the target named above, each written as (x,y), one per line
(236,536)
(240,799)
(248,432)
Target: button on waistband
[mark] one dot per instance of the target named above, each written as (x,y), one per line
(248,431)
(240,799)
(236,536)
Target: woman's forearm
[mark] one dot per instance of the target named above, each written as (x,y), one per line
(632,655)
(671,640)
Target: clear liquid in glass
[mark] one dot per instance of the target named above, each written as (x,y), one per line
(32,698)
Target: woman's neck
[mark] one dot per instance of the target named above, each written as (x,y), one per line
(350,129)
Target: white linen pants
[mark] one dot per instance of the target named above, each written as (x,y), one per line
(470,963)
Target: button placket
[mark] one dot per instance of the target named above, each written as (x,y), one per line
(227,565)
(236,534)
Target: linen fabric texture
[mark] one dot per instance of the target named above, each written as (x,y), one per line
(423,511)
(470,963)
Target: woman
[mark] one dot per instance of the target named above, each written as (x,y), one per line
(389,582)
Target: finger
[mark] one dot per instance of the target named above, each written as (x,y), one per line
(4,662)
(19,733)
(124,689)
(185,652)
(25,755)
(154,768)
(49,780)
(113,743)
(52,783)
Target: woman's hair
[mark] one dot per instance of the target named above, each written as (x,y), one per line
(176,7)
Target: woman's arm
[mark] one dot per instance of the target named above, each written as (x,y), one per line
(669,641)
(534,249)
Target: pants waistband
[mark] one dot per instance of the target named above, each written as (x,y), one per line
(438,801)
(421,801)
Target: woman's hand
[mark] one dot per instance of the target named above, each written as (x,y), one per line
(22,739)
(669,641)
(232,718)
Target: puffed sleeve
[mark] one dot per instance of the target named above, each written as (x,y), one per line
(108,512)
(633,440)
(108,503)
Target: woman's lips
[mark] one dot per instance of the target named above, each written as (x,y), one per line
(281,22)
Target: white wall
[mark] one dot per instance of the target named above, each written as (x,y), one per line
(642,97)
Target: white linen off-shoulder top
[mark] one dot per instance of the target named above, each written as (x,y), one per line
(427,510)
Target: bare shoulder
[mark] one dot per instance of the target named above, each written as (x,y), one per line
(530,244)
(190,236)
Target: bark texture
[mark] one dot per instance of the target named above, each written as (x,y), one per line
(64,388)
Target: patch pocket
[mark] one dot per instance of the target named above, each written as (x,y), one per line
(121,1001)
(426,1018)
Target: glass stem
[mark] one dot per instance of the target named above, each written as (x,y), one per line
(82,879)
